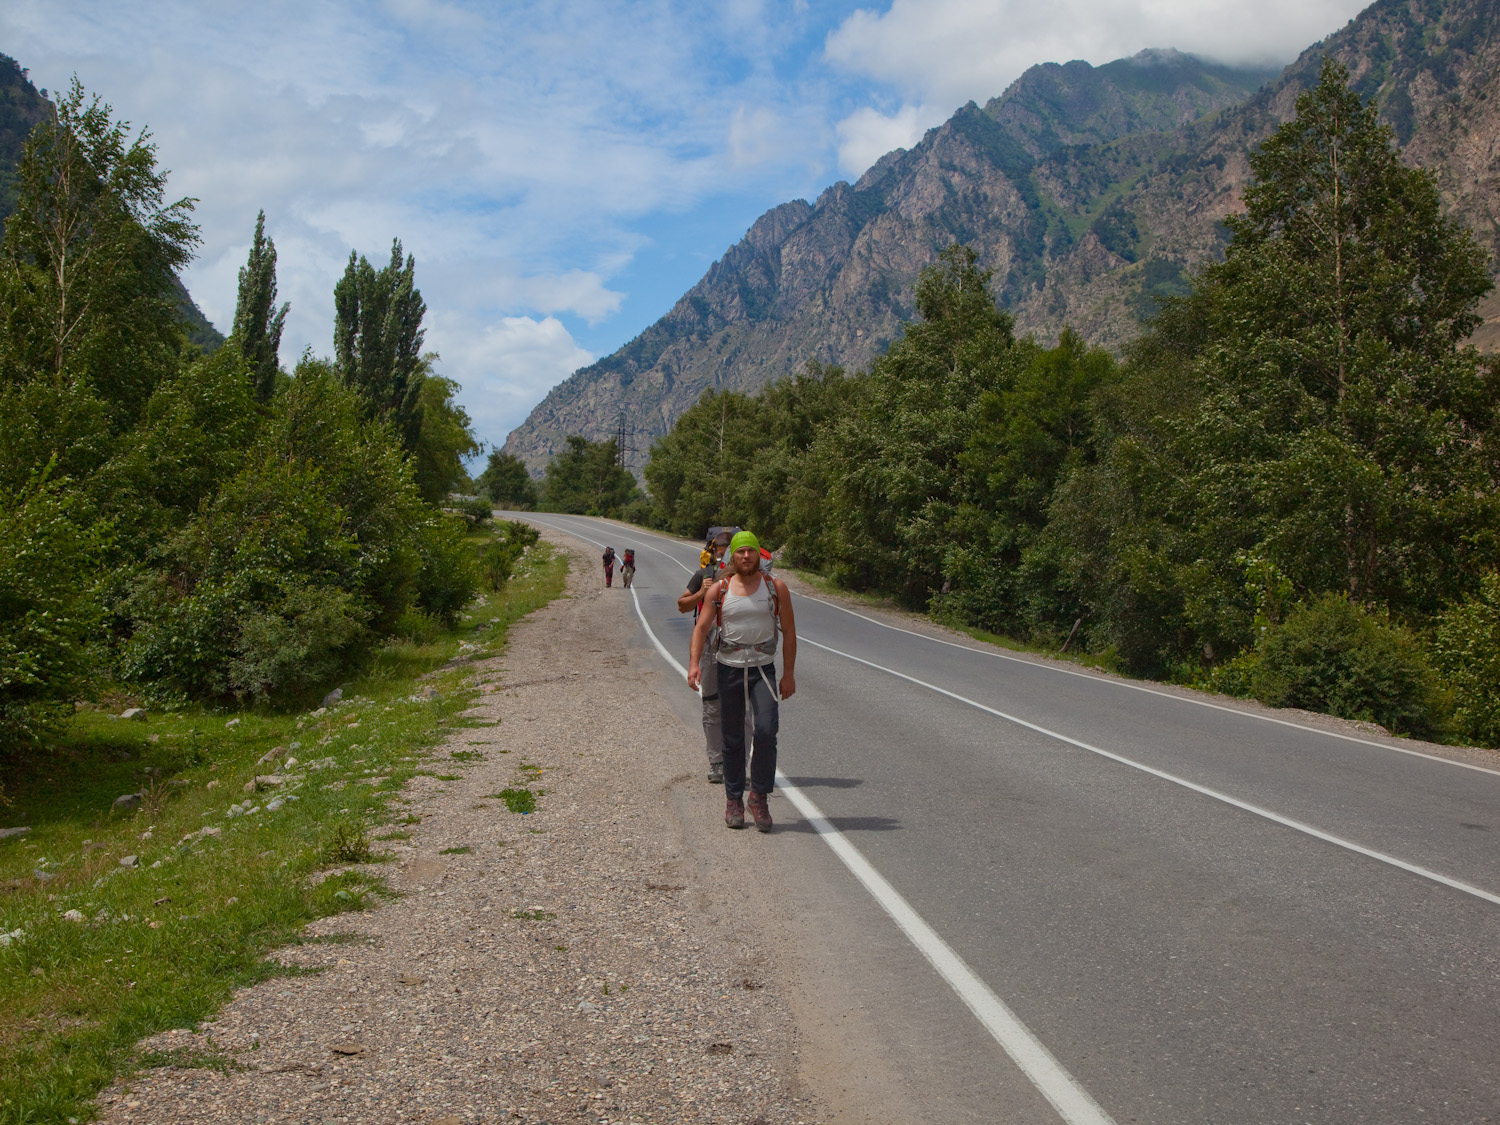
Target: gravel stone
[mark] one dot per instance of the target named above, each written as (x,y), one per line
(583,963)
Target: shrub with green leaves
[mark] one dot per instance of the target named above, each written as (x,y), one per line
(282,579)
(1467,652)
(48,612)
(1331,655)
(498,557)
(448,578)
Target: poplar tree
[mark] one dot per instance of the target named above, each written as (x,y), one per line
(377,340)
(257,320)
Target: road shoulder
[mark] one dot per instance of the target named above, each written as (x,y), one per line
(571,964)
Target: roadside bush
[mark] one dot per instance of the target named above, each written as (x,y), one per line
(498,557)
(416,627)
(1467,652)
(47,611)
(258,596)
(309,637)
(1331,655)
(448,579)
(477,512)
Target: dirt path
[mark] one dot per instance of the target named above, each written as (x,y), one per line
(577,964)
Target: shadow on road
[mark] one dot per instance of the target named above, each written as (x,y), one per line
(826,782)
(846,824)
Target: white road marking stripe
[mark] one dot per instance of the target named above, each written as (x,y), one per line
(1052,666)
(1112,681)
(1062,1091)
(1246,806)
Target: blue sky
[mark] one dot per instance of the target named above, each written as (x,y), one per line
(563,171)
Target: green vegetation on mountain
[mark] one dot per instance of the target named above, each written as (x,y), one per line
(1287,488)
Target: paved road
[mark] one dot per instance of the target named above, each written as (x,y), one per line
(1203,915)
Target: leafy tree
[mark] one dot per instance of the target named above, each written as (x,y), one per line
(698,473)
(196,433)
(1307,405)
(506,482)
(257,320)
(377,340)
(48,611)
(87,288)
(898,502)
(586,479)
(445,439)
(283,577)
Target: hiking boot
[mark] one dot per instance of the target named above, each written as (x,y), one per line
(716,773)
(759,810)
(734,813)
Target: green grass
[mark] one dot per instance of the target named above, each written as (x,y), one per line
(465,850)
(166,943)
(518,799)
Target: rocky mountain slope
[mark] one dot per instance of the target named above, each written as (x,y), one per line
(1089,191)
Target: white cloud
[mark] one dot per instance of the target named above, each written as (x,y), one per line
(512,363)
(867,134)
(949,51)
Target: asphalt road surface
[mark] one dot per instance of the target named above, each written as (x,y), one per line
(1169,912)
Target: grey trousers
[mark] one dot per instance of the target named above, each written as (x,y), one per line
(713,730)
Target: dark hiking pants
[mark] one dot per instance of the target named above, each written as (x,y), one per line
(735,686)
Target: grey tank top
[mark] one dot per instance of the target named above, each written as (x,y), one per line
(748,638)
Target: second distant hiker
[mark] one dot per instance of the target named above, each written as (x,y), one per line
(609,566)
(627,567)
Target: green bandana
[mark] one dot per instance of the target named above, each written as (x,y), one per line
(743,539)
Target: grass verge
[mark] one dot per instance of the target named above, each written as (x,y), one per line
(119,925)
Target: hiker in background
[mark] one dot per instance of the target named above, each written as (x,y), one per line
(609,566)
(627,567)
(690,600)
(745,616)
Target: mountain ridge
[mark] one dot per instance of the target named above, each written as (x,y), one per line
(1090,192)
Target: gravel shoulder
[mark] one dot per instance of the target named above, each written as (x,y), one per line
(589,962)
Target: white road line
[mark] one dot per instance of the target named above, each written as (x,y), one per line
(1113,682)
(1277,818)
(1246,806)
(1062,1091)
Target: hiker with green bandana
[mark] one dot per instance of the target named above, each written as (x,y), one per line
(746,616)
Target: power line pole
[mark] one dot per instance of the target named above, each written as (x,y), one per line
(624,440)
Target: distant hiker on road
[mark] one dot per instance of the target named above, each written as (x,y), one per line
(744,616)
(609,566)
(690,600)
(627,567)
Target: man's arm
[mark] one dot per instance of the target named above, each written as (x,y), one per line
(700,636)
(788,639)
(689,598)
